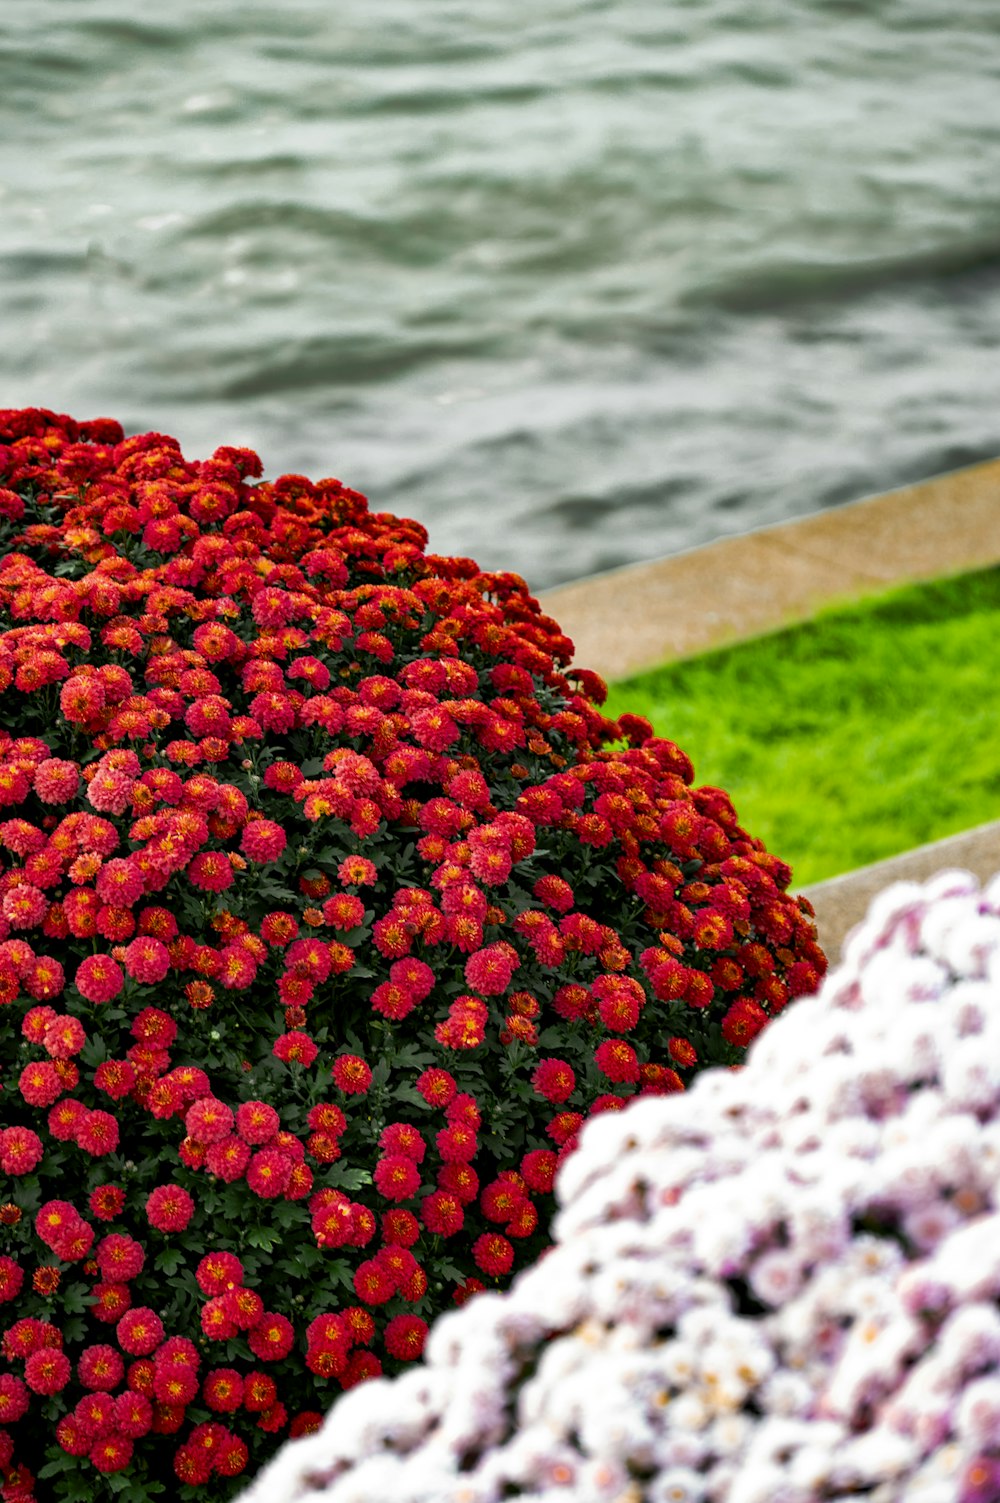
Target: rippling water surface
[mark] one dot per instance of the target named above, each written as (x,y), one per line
(575,282)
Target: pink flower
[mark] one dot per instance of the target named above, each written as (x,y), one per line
(263,840)
(119,1257)
(47,1371)
(109,791)
(169,1208)
(209,1120)
(147,959)
(256,1122)
(120,882)
(99,978)
(490,969)
(267,1173)
(64,1037)
(100,1368)
(24,906)
(56,780)
(20,1150)
(97,1133)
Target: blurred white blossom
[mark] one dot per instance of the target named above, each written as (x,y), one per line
(779,1287)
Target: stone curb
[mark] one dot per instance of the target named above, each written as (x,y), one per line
(637,617)
(841,902)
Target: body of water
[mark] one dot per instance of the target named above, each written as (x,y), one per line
(574,282)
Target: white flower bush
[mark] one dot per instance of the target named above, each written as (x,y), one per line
(781,1287)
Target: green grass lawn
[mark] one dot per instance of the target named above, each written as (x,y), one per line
(871,729)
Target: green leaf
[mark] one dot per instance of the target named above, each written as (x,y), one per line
(53,1468)
(262,1237)
(75,1299)
(169,1260)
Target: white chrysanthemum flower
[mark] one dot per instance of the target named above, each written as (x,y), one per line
(780,1286)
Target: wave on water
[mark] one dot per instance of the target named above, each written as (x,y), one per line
(575,282)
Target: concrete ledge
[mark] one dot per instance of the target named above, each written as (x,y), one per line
(635,618)
(842,902)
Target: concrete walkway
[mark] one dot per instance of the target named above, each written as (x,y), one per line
(630,619)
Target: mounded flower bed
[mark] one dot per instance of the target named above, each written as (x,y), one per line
(781,1288)
(330,906)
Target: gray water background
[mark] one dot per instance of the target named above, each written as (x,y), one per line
(574,282)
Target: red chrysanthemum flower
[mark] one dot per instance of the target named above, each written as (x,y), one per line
(120,882)
(461,1180)
(11,1278)
(212,871)
(232,1457)
(147,959)
(351,1075)
(554,1079)
(493,1254)
(56,780)
(209,1120)
(228,1158)
(743,1022)
(169,1208)
(46,1279)
(115,1077)
(437,1087)
(489,970)
(405,1336)
(24,906)
(71,1436)
(39,1083)
(267,1173)
(539,1168)
(110,1302)
(219,1271)
(222,1390)
(457,1144)
(100,1368)
(357,871)
(112,1453)
(107,1202)
(501,1200)
(97,1133)
(272,1339)
(64,1037)
(442,1213)
(119,1257)
(295,1048)
(133,1415)
(373,1284)
(244,1307)
(14,1398)
(263,840)
(20,1150)
(257,1122)
(47,1371)
(397,1177)
(617,1060)
(175,1383)
(403,1137)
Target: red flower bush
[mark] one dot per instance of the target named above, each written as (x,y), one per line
(330,907)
